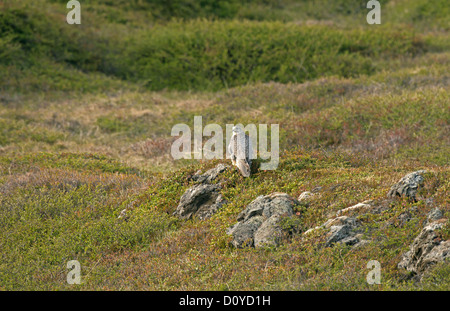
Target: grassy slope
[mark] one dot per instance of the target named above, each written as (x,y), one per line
(81,139)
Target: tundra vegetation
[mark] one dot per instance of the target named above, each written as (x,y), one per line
(86,113)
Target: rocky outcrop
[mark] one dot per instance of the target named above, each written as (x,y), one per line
(342,233)
(259,223)
(407,186)
(203,199)
(434,214)
(427,248)
(210,175)
(438,254)
(343,229)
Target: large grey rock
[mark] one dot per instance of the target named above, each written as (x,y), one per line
(426,250)
(203,199)
(279,204)
(259,223)
(197,199)
(269,233)
(407,186)
(437,254)
(210,175)
(207,210)
(243,232)
(337,233)
(267,205)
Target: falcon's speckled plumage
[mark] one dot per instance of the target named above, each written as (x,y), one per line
(240,149)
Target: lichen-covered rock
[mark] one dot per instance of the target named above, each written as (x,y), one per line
(426,249)
(434,214)
(259,223)
(269,233)
(438,254)
(243,232)
(211,174)
(207,210)
(407,186)
(198,198)
(337,233)
(203,199)
(341,229)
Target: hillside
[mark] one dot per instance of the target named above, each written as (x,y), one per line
(86,113)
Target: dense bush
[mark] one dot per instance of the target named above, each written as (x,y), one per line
(41,52)
(32,36)
(196,54)
(203,54)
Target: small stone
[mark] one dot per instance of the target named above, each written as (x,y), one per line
(305,197)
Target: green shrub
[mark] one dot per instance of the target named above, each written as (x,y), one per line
(203,54)
(192,54)
(56,41)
